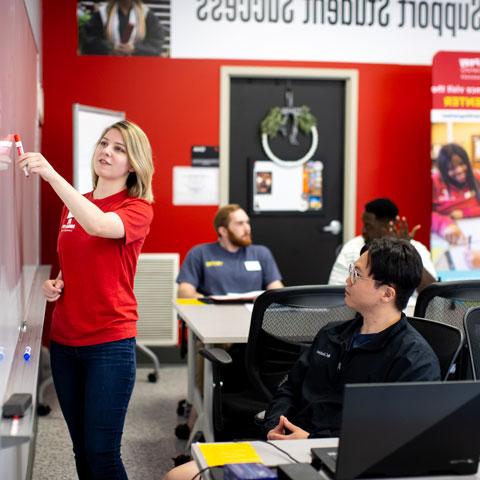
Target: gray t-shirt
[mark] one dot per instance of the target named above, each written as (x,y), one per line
(212,270)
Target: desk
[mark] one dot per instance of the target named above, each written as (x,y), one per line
(300,450)
(211,324)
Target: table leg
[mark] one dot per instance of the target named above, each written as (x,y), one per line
(191,361)
(208,401)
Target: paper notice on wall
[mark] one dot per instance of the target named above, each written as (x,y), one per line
(195,186)
(293,189)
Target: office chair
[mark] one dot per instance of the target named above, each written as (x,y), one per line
(446,341)
(472,332)
(447,302)
(284,323)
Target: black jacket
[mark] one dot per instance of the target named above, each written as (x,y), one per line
(311,396)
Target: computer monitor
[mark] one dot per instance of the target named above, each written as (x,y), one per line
(409,429)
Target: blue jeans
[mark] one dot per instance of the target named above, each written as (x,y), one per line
(94,385)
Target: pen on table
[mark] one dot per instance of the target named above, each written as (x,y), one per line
(20,152)
(27,353)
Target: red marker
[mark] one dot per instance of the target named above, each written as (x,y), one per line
(20,152)
(14,428)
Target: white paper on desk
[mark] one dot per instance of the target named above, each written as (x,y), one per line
(247,296)
(195,186)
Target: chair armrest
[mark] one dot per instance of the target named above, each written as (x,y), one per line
(217,356)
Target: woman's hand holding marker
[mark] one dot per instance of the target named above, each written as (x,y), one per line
(19,146)
(37,163)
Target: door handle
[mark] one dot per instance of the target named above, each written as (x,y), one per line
(334,227)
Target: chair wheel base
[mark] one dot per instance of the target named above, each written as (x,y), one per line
(181,459)
(198,437)
(152,377)
(182,431)
(43,410)
(183,407)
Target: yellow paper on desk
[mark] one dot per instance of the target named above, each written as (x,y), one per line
(189,301)
(222,453)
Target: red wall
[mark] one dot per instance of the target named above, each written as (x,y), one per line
(177,103)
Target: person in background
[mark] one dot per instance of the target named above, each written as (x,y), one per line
(456,192)
(381,219)
(93,329)
(122,27)
(378,345)
(230,265)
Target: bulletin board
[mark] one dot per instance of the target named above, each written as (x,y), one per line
(276,189)
(88,124)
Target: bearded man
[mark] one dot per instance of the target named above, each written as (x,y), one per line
(230,265)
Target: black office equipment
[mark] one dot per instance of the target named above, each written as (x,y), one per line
(297,471)
(407,429)
(17,405)
(471,322)
(448,302)
(446,341)
(284,323)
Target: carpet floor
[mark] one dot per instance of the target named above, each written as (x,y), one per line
(148,444)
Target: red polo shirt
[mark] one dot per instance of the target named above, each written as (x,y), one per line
(97,304)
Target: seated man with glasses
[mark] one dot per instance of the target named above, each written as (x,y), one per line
(379,345)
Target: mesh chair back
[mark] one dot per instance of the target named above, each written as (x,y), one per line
(472,331)
(448,302)
(446,341)
(284,323)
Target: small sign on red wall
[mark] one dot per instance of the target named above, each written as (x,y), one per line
(456,80)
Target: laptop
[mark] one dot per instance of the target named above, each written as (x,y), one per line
(406,429)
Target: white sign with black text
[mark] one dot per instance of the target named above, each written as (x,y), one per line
(366,31)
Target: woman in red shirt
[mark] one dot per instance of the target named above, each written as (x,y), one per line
(456,193)
(94,322)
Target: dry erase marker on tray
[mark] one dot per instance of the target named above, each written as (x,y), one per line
(27,354)
(14,428)
(20,152)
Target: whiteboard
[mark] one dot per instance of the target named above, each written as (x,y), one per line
(88,125)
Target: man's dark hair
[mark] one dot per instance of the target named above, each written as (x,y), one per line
(395,262)
(382,208)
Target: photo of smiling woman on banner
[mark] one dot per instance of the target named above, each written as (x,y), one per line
(456,209)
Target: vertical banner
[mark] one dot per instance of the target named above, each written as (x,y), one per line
(455,152)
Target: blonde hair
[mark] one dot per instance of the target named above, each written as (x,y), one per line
(139,152)
(139,13)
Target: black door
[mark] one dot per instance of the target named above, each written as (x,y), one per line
(303,250)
